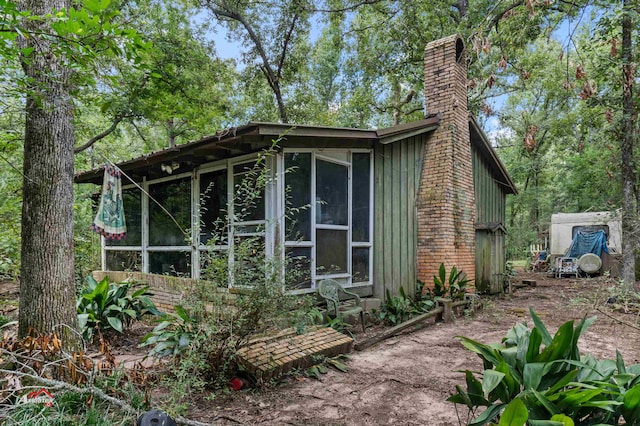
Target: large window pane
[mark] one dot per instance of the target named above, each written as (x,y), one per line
(360,264)
(331,251)
(124,261)
(175,197)
(132,204)
(298,268)
(331,193)
(248,184)
(360,198)
(213,207)
(298,201)
(175,263)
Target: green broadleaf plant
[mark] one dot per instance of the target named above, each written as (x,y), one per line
(535,378)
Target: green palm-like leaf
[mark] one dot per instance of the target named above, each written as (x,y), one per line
(515,414)
(486,352)
(115,323)
(562,419)
(539,325)
(487,415)
(631,405)
(560,346)
(490,380)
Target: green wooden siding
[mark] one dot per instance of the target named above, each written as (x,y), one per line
(490,197)
(398,168)
(490,243)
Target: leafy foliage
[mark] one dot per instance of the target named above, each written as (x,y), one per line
(538,378)
(337,362)
(172,335)
(452,286)
(397,309)
(104,306)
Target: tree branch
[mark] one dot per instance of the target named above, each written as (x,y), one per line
(347,8)
(285,44)
(101,135)
(272,78)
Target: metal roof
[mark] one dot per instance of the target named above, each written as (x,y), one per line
(256,136)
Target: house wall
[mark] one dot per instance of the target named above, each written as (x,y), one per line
(446,206)
(397,174)
(490,241)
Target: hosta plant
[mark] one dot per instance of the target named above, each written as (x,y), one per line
(538,379)
(104,306)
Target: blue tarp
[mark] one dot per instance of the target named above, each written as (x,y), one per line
(588,242)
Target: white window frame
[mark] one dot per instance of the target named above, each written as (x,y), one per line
(325,155)
(147,248)
(274,222)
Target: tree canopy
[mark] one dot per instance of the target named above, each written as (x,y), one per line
(553,82)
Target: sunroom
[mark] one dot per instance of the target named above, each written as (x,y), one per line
(300,194)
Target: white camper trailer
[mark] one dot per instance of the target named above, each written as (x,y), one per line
(565,225)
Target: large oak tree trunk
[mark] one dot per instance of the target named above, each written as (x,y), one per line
(47,289)
(627,144)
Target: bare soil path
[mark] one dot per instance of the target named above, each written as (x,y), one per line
(406,380)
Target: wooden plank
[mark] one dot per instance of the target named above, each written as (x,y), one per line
(403,217)
(387,251)
(378,225)
(397,329)
(396,217)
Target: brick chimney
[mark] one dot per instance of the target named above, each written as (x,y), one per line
(445,205)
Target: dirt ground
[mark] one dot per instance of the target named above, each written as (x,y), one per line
(406,379)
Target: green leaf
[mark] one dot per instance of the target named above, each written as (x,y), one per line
(182,313)
(560,346)
(185,338)
(515,414)
(486,352)
(490,380)
(533,349)
(620,362)
(562,419)
(487,415)
(82,320)
(338,365)
(548,405)
(631,405)
(539,325)
(473,385)
(115,323)
(313,372)
(532,375)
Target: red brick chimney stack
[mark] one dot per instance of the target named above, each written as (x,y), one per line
(445,205)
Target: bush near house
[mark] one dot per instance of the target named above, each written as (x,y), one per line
(400,308)
(104,306)
(538,379)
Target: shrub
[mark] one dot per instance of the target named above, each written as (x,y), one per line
(204,335)
(104,306)
(526,382)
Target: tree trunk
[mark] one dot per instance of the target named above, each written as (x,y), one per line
(47,288)
(627,145)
